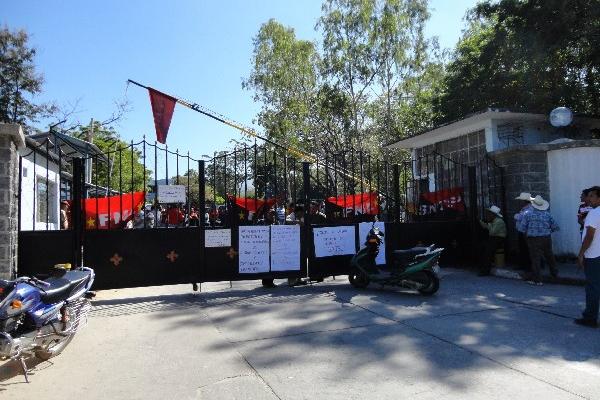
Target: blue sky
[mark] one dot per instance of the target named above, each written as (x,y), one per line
(198,50)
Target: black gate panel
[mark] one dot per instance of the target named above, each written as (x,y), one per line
(453,236)
(145,257)
(222,264)
(328,266)
(39,251)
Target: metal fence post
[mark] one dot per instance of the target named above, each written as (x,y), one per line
(76,211)
(201,217)
(306,227)
(473,211)
(396,187)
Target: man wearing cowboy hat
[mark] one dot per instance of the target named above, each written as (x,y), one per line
(496,234)
(525,202)
(538,225)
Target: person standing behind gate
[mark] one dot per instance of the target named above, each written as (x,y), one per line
(538,225)
(589,259)
(525,200)
(496,235)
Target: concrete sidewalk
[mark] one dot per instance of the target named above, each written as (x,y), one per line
(478,338)
(568,274)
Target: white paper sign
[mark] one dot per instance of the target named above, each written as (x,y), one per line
(285,247)
(217,238)
(171,193)
(363,231)
(254,249)
(334,241)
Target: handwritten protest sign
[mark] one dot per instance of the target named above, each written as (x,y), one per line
(254,249)
(217,238)
(285,247)
(334,241)
(171,194)
(363,231)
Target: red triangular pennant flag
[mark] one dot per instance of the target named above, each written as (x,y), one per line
(162,107)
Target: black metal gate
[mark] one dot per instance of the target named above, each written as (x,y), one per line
(119,223)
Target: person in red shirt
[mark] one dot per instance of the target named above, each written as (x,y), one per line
(174,216)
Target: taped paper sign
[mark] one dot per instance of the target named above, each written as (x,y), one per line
(334,241)
(217,238)
(363,231)
(171,194)
(254,249)
(285,247)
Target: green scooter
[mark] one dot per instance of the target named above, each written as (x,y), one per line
(416,268)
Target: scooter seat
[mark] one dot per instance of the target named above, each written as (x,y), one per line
(407,255)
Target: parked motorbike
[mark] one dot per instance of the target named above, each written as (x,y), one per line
(40,317)
(416,268)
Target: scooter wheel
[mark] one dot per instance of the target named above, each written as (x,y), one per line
(432,284)
(358,279)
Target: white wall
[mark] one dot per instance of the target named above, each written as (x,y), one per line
(29,175)
(569,172)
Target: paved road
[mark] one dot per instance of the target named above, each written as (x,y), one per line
(479,338)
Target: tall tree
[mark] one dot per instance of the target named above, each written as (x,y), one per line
(123,161)
(350,60)
(526,55)
(411,68)
(19,80)
(284,78)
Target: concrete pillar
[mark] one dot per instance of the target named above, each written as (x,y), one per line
(11,141)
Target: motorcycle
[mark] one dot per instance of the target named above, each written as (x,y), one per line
(40,317)
(416,268)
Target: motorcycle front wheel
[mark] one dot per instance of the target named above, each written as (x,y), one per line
(431,282)
(358,278)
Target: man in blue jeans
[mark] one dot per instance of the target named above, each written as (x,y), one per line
(589,259)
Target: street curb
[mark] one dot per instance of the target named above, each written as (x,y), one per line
(510,274)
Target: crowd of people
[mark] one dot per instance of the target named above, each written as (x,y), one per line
(535,225)
(173,216)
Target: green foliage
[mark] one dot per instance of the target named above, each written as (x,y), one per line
(122,160)
(284,78)
(373,80)
(529,56)
(19,81)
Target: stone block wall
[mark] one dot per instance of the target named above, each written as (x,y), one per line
(11,140)
(525,170)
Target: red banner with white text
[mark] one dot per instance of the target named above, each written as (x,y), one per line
(362,203)
(446,199)
(115,211)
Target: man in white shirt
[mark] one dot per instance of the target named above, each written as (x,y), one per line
(589,259)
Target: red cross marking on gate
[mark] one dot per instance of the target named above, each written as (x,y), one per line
(232,253)
(172,256)
(116,259)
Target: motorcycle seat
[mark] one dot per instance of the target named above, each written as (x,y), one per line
(61,288)
(58,290)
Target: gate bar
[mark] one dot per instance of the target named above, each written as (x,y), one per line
(78,173)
